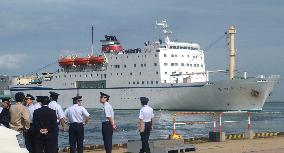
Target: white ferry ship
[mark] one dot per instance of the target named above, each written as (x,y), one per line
(172,74)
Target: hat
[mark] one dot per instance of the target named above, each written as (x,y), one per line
(5,99)
(30,97)
(53,93)
(39,98)
(144,99)
(103,94)
(77,98)
(45,100)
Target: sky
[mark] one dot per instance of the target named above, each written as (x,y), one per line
(35,33)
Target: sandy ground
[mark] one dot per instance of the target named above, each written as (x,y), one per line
(261,145)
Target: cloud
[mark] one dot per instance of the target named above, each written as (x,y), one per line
(12,61)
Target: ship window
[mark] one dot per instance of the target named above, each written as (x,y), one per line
(110,73)
(101,76)
(173,55)
(152,82)
(165,64)
(177,47)
(120,73)
(147,82)
(91,84)
(166,72)
(137,82)
(197,65)
(182,64)
(194,65)
(91,75)
(155,64)
(115,57)
(126,56)
(128,82)
(190,65)
(182,55)
(64,76)
(156,55)
(70,75)
(157,72)
(133,82)
(141,65)
(105,75)
(201,65)
(144,65)
(80,75)
(86,75)
(134,65)
(116,66)
(188,56)
(124,66)
(187,64)
(75,75)
(97,75)
(140,73)
(138,56)
(157,82)
(55,76)
(142,82)
(172,64)
(171,47)
(165,81)
(176,64)
(116,73)
(174,47)
(165,55)
(130,73)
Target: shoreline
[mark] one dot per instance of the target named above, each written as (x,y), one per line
(259,145)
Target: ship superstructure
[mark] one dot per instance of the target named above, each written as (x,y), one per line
(172,74)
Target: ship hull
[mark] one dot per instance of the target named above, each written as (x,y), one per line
(245,94)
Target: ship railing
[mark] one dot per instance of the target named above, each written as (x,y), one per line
(268,77)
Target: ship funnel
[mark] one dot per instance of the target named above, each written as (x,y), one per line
(232,31)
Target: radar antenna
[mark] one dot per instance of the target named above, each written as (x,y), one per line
(164,26)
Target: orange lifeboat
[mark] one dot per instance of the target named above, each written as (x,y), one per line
(97,60)
(66,61)
(81,61)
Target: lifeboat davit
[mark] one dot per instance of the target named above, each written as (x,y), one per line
(81,61)
(97,60)
(66,61)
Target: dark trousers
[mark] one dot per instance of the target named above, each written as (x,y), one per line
(28,136)
(46,145)
(28,141)
(145,138)
(76,136)
(56,141)
(107,132)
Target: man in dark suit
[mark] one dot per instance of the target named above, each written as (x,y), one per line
(5,114)
(45,125)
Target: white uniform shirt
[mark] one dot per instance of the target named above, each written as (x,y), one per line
(31,109)
(146,113)
(59,112)
(37,105)
(76,114)
(107,111)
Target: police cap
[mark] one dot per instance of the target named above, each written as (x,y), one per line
(77,98)
(103,94)
(39,98)
(45,100)
(53,93)
(30,97)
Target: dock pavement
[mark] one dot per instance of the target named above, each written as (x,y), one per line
(260,145)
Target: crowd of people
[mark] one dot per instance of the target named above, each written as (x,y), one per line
(38,122)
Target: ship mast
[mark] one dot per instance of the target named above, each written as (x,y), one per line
(232,32)
(92,40)
(163,24)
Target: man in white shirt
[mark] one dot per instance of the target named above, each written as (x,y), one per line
(28,134)
(77,116)
(59,111)
(107,119)
(146,116)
